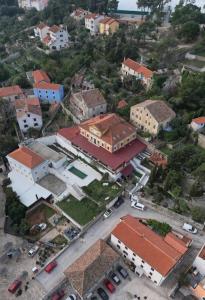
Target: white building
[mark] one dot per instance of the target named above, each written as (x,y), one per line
(198,123)
(54,37)
(149,253)
(28,113)
(79,14)
(29,4)
(92,23)
(199,261)
(140,72)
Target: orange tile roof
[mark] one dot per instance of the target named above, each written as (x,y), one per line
(10,91)
(54,28)
(26,157)
(92,16)
(122,104)
(40,75)
(175,242)
(202,253)
(138,68)
(41,25)
(108,21)
(200,120)
(147,244)
(27,105)
(112,128)
(47,86)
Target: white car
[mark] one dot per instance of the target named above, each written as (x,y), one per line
(138,205)
(189,228)
(33,251)
(42,226)
(107,213)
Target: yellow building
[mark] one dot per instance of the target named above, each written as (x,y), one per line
(108,26)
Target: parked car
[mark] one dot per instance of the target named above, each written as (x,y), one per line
(109,286)
(122,271)
(72,232)
(138,205)
(108,213)
(14,286)
(58,295)
(49,268)
(115,278)
(102,293)
(33,251)
(42,226)
(189,228)
(35,270)
(118,202)
(71,297)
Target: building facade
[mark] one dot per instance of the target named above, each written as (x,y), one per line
(138,71)
(49,92)
(87,104)
(151,115)
(198,123)
(108,26)
(29,4)
(92,23)
(79,14)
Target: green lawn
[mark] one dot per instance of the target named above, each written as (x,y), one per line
(49,212)
(166,150)
(81,211)
(98,192)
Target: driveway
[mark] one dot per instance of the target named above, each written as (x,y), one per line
(102,229)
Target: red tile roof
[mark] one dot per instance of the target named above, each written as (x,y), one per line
(138,67)
(92,16)
(127,170)
(47,86)
(26,157)
(176,242)
(54,28)
(10,91)
(112,160)
(40,75)
(200,120)
(41,25)
(108,21)
(122,104)
(27,105)
(148,245)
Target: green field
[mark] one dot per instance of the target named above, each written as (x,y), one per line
(77,172)
(82,211)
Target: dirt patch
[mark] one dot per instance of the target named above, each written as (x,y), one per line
(40,214)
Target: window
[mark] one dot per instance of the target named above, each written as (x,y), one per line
(61,35)
(34,119)
(133,259)
(150,273)
(141,266)
(35,124)
(142,261)
(28,115)
(133,254)
(125,252)
(156,282)
(149,277)
(152,269)
(126,248)
(25,126)
(118,246)
(24,121)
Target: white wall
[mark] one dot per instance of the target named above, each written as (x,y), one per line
(60,39)
(199,263)
(196,126)
(30,120)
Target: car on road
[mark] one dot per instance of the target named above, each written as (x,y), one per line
(138,205)
(115,278)
(42,226)
(122,271)
(108,284)
(71,297)
(58,295)
(33,251)
(189,228)
(118,202)
(14,286)
(102,293)
(49,268)
(107,214)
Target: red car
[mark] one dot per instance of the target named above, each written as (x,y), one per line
(51,266)
(14,286)
(58,295)
(109,285)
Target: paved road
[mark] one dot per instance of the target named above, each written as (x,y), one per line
(101,230)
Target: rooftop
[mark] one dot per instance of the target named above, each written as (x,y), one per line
(40,75)
(92,16)
(45,152)
(112,160)
(199,120)
(47,86)
(41,25)
(108,21)
(122,104)
(27,105)
(10,91)
(91,266)
(92,97)
(160,253)
(158,109)
(138,67)
(26,157)
(54,28)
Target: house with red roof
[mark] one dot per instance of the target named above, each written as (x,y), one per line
(137,70)
(151,254)
(11,93)
(79,14)
(28,113)
(92,21)
(198,123)
(108,26)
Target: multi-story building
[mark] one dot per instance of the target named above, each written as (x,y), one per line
(87,104)
(198,123)
(138,71)
(150,253)
(92,23)
(55,37)
(29,4)
(28,113)
(79,14)
(108,26)
(151,116)
(45,90)
(11,93)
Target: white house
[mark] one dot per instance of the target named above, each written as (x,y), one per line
(154,255)
(29,4)
(133,68)
(55,37)
(198,123)
(79,14)
(92,23)
(199,261)
(28,113)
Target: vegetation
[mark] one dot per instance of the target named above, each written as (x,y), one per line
(160,228)
(60,240)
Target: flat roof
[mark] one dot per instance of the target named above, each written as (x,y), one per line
(45,152)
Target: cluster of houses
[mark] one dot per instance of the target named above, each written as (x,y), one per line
(29,4)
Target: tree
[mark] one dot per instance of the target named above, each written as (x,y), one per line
(189,31)
(198,214)
(186,13)
(196,189)
(172,180)
(154,5)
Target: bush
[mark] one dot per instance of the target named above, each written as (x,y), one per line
(160,228)
(198,214)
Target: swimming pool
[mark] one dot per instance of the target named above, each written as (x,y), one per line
(77,172)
